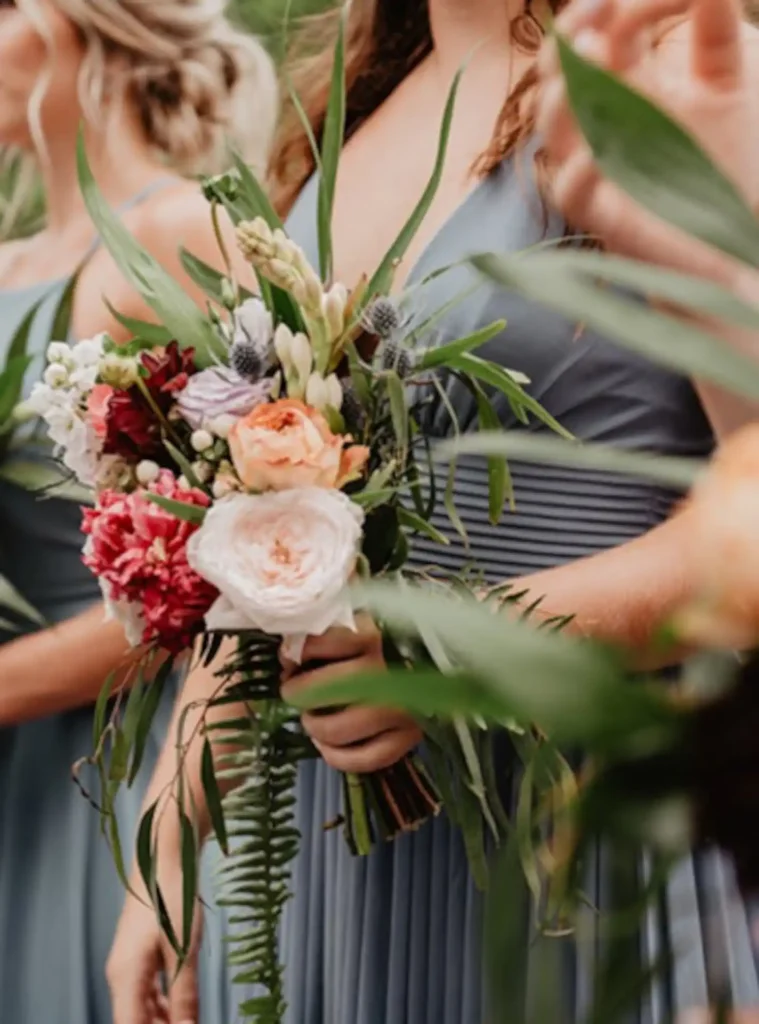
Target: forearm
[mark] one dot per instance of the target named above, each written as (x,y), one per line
(182,754)
(61,667)
(624,596)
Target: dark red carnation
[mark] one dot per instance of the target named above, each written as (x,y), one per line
(133,422)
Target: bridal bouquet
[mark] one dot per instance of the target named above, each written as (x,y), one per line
(248,462)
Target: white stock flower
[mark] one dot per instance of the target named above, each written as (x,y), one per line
(126,613)
(281,562)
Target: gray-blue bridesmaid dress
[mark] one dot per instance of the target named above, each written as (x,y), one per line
(395,938)
(60,896)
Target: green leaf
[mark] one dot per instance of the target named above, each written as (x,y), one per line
(254,195)
(500,486)
(416,523)
(383,276)
(693,293)
(181,509)
(398,408)
(332,144)
(176,311)
(12,600)
(207,278)
(101,705)
(503,381)
(184,464)
(147,712)
(213,797)
(12,384)
(64,312)
(550,451)
(46,478)
(153,334)
(664,339)
(439,356)
(576,691)
(144,847)
(189,854)
(656,162)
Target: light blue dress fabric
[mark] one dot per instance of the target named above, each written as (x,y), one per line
(60,897)
(395,938)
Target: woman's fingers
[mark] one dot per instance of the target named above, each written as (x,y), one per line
(717,42)
(353,725)
(380,753)
(584,14)
(133,986)
(182,997)
(303,681)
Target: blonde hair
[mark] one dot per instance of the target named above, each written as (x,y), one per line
(193,79)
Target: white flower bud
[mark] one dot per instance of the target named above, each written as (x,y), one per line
(283,338)
(147,472)
(302,356)
(201,440)
(59,352)
(316,391)
(56,375)
(184,483)
(221,425)
(334,312)
(334,392)
(119,371)
(222,486)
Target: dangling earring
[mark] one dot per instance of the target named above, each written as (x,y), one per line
(526,30)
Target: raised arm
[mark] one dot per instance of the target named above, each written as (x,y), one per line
(702,67)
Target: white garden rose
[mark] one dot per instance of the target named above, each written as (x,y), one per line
(281,562)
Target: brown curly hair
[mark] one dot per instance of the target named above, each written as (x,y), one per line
(385,40)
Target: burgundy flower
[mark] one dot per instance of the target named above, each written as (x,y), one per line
(133,422)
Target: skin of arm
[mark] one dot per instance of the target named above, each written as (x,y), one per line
(65,666)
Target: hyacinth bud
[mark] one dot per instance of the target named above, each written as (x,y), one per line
(382,318)
(334,392)
(302,357)
(255,241)
(316,391)
(56,375)
(147,472)
(282,275)
(334,305)
(283,339)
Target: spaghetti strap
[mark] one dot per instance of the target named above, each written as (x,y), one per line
(136,200)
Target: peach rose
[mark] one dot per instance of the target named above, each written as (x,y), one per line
(284,445)
(724,513)
(97,408)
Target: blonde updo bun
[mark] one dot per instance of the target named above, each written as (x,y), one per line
(194,79)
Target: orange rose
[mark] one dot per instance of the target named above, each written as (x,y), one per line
(284,445)
(724,514)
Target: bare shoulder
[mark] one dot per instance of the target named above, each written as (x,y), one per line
(173,218)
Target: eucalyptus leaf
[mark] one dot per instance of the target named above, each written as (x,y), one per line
(657,162)
(500,486)
(44,478)
(165,296)
(659,336)
(551,451)
(12,384)
(64,312)
(398,408)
